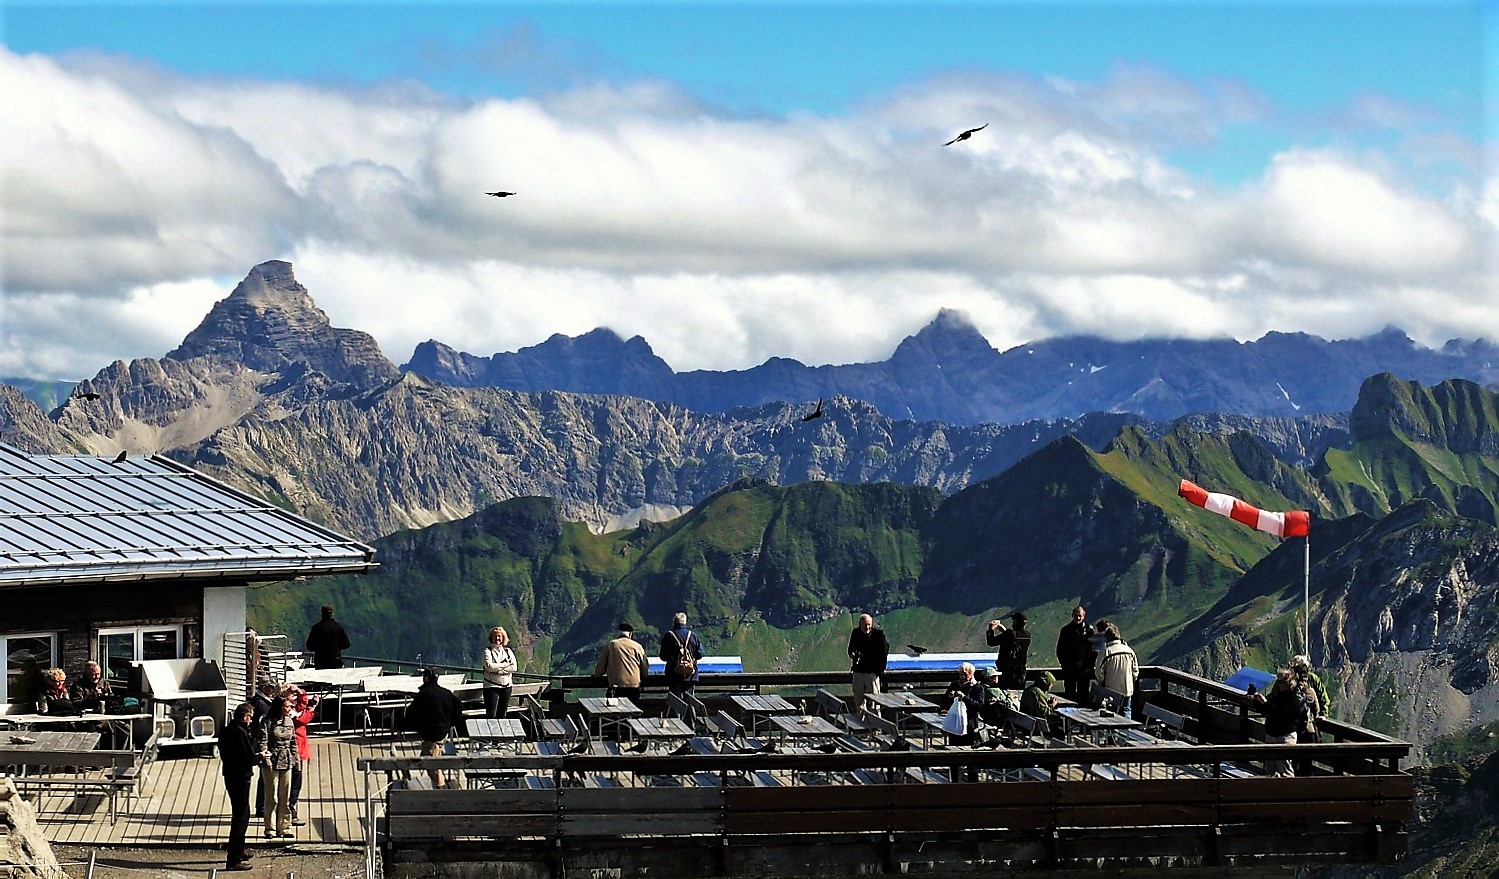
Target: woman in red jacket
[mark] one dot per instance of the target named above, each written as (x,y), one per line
(303,711)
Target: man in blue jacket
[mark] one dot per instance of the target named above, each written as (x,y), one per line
(677,646)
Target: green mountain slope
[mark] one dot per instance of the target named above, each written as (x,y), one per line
(1440,443)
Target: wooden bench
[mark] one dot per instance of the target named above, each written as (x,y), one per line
(101,771)
(1160,720)
(835,709)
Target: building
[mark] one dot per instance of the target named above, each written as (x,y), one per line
(125,559)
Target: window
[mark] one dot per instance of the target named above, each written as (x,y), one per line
(118,648)
(25,656)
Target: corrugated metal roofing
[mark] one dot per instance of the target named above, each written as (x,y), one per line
(71,518)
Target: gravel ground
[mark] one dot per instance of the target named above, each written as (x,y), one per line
(269,862)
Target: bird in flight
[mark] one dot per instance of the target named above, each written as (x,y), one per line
(500,194)
(86,395)
(967,134)
(915,651)
(815,413)
(120,458)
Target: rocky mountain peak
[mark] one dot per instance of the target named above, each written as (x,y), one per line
(951,336)
(1457,415)
(269,321)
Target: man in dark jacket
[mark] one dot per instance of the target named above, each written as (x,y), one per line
(1075,655)
(868,652)
(239,761)
(327,641)
(1014,644)
(678,640)
(433,713)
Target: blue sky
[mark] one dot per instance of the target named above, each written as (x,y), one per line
(1148,167)
(749,57)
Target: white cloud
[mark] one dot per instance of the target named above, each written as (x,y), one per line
(723,241)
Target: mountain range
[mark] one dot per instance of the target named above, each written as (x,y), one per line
(778,528)
(949,372)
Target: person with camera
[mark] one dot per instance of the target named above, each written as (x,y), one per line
(304,709)
(1014,646)
(868,651)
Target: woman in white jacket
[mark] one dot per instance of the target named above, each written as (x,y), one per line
(499,665)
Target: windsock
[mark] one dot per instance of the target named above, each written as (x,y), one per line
(1295,523)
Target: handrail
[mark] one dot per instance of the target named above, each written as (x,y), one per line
(1002,758)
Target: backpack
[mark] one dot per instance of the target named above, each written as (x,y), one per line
(684,666)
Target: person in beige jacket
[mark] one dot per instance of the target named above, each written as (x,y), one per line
(624,664)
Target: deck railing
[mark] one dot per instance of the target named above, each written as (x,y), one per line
(860,812)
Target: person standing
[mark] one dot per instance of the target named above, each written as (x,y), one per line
(265,694)
(1014,646)
(680,650)
(237,754)
(499,668)
(1301,666)
(304,709)
(868,651)
(327,640)
(433,713)
(623,664)
(1118,667)
(1286,711)
(276,742)
(1075,655)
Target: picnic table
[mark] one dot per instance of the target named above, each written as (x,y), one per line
(758,707)
(804,726)
(121,727)
(613,710)
(17,744)
(659,730)
(337,681)
(1100,726)
(499,731)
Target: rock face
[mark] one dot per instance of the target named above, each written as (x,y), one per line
(270,322)
(949,372)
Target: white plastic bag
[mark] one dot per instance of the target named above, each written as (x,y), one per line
(955,721)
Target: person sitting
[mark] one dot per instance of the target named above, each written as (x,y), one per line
(969,691)
(1037,700)
(90,688)
(54,698)
(998,699)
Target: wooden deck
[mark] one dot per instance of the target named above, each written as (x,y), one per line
(184,803)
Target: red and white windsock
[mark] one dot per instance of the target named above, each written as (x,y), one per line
(1296,523)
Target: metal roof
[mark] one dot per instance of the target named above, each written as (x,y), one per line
(66,519)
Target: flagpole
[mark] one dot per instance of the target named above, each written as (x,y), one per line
(1306,598)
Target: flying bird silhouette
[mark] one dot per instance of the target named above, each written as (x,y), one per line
(86,395)
(967,134)
(500,194)
(815,413)
(120,458)
(915,650)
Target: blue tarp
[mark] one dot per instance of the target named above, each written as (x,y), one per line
(936,661)
(1241,679)
(708,664)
